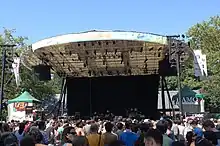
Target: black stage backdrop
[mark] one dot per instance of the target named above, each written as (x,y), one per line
(115,94)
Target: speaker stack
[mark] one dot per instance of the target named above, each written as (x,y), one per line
(43,72)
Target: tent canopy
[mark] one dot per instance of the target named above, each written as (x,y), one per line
(24,97)
(185,92)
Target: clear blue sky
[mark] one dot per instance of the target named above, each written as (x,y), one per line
(38,19)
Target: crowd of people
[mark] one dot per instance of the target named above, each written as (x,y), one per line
(116,131)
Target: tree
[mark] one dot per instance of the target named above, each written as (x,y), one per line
(206,36)
(187,77)
(39,89)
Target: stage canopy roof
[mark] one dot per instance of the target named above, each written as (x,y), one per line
(24,97)
(99,53)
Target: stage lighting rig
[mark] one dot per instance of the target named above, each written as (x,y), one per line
(4,47)
(177,48)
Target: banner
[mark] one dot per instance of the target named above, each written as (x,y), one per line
(15,66)
(200,65)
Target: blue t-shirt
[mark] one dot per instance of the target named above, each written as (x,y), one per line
(198,131)
(129,138)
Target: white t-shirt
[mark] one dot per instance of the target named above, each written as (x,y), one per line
(181,129)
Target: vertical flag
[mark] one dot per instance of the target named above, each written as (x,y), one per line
(15,66)
(200,65)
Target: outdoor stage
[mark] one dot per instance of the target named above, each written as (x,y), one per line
(106,70)
(116,94)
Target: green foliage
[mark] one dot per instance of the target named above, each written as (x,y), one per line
(206,36)
(187,77)
(29,82)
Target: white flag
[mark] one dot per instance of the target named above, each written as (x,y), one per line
(15,66)
(200,65)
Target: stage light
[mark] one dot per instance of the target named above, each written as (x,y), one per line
(9,53)
(16,54)
(151,48)
(109,72)
(122,59)
(141,50)
(189,44)
(129,71)
(45,59)
(89,72)
(145,60)
(183,36)
(9,60)
(44,54)
(86,62)
(180,44)
(146,65)
(160,48)
(173,45)
(51,54)
(118,73)
(158,54)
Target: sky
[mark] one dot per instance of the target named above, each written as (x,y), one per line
(39,19)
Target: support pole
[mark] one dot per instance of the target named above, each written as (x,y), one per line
(61,95)
(2,77)
(163,96)
(170,100)
(63,100)
(90,97)
(179,84)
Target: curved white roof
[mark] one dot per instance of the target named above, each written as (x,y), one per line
(100,35)
(100,53)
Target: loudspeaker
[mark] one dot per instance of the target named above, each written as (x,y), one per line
(166,69)
(42,72)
